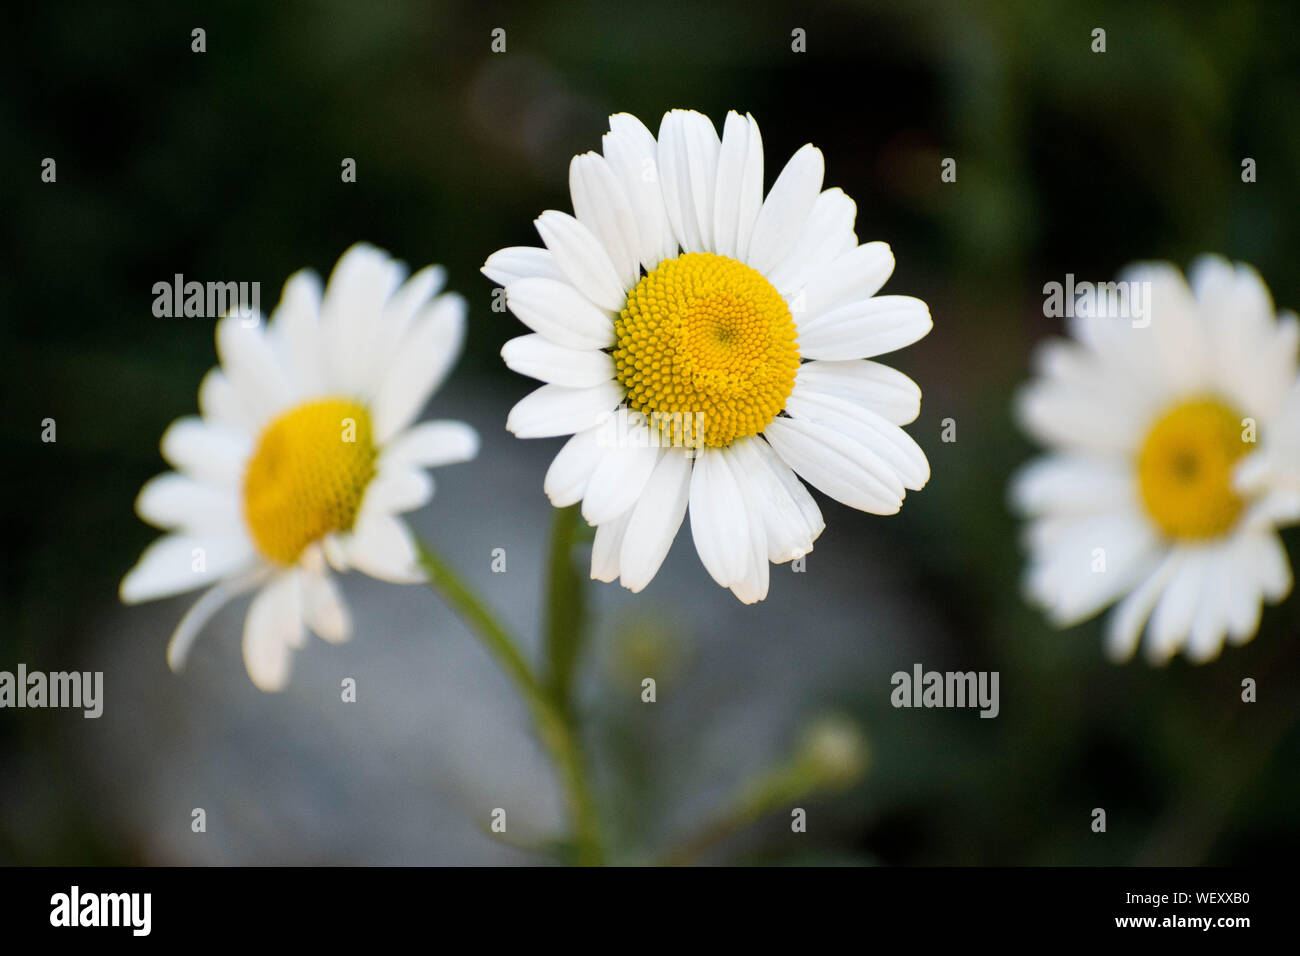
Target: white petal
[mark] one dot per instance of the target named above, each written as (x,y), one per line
(600,204)
(1172,619)
(719,523)
(1210,624)
(272,630)
(181,562)
(655,520)
(1086,422)
(688,165)
(855,275)
(620,475)
(862,329)
(570,471)
(336,553)
(739,193)
(382,547)
(1072,485)
(312,559)
(173,500)
(295,330)
(836,465)
(605,548)
(415,293)
(884,390)
(632,153)
(826,237)
(251,364)
(202,611)
(1233,295)
(787,208)
(868,429)
(1244,609)
(791,519)
(397,489)
(400,314)
(582,258)
(360,286)
(1241,589)
(221,404)
(326,611)
(426,355)
(752,586)
(430,444)
(538,357)
(1124,627)
(1275,570)
(212,453)
(1080,565)
(810,514)
(561,313)
(555,410)
(509,265)
(1175,344)
(1253,349)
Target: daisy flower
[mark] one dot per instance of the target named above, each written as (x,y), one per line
(732,332)
(303,455)
(1144,498)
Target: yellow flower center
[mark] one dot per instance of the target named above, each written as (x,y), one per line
(1185,469)
(307,475)
(707,349)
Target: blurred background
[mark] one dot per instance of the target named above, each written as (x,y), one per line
(225,165)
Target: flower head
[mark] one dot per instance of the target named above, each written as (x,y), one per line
(731,332)
(303,456)
(1146,496)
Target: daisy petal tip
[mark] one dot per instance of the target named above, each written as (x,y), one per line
(473,443)
(269,683)
(749,598)
(558,499)
(175,658)
(1118,654)
(126,593)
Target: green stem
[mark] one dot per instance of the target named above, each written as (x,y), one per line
(833,756)
(552,724)
(565,617)
(779,788)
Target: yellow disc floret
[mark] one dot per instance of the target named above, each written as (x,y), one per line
(707,349)
(1185,469)
(306,476)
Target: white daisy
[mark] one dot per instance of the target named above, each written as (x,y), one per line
(735,328)
(303,455)
(1143,499)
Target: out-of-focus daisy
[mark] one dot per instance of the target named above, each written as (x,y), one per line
(303,455)
(1275,467)
(734,332)
(1143,499)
